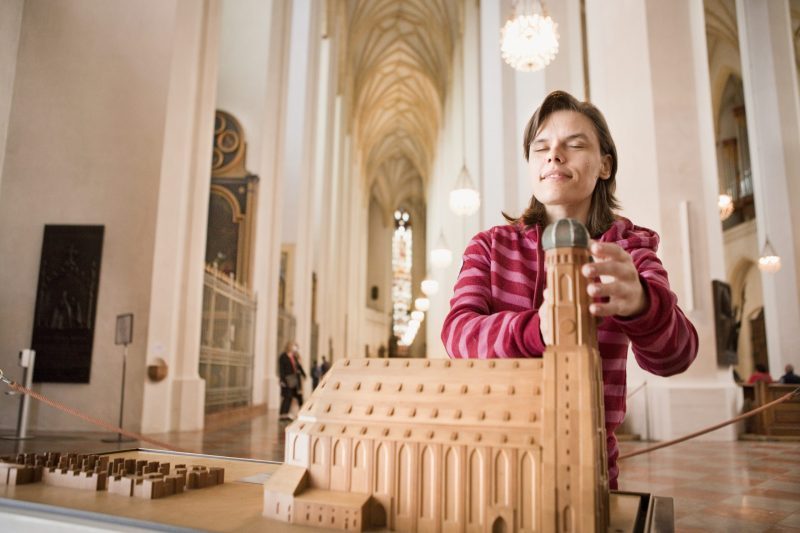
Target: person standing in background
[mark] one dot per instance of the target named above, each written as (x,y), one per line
(291,374)
(316,374)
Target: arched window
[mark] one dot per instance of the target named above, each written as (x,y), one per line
(403,327)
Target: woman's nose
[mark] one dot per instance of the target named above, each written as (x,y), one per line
(554,155)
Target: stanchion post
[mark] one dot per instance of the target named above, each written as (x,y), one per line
(27,359)
(124,336)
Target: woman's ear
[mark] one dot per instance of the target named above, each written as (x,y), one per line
(605,167)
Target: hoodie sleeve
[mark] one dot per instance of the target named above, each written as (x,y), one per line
(664,341)
(471,330)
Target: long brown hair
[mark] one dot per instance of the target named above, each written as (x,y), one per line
(603,204)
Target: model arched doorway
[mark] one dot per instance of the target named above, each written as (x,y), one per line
(499,525)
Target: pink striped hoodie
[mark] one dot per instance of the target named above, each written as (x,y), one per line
(494,312)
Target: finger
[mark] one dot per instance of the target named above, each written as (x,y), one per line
(604,290)
(607,250)
(616,269)
(604,309)
(613,299)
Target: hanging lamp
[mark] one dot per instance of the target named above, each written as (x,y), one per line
(725,205)
(769,261)
(464,198)
(529,40)
(429,286)
(441,256)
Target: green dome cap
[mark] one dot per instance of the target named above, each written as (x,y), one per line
(565,233)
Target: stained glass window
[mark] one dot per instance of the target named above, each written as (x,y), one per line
(403,326)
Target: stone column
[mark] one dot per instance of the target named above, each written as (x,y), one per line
(10,26)
(773,124)
(649,76)
(253,86)
(177,403)
(298,161)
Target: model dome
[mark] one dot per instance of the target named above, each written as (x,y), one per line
(565,233)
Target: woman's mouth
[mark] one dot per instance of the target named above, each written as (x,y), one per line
(556,176)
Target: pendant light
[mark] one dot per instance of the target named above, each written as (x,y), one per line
(529,40)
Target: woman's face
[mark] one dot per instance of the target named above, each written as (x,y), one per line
(565,164)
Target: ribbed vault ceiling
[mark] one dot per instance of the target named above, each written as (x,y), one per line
(399,60)
(721,24)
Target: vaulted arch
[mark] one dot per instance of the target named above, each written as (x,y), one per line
(399,56)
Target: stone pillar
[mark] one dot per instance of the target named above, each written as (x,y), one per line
(298,162)
(649,75)
(773,122)
(177,403)
(10,25)
(329,281)
(253,86)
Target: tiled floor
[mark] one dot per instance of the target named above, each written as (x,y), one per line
(717,487)
(722,486)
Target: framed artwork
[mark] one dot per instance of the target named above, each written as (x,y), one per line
(727,324)
(66,303)
(124,329)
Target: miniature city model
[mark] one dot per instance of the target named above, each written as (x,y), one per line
(462,445)
(129,477)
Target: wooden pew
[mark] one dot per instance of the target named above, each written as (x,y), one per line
(781,420)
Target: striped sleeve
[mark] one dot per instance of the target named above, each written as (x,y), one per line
(664,341)
(471,329)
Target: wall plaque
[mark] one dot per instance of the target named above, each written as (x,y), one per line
(66,302)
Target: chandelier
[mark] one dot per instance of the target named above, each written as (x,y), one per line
(464,199)
(441,256)
(429,286)
(725,205)
(529,40)
(769,261)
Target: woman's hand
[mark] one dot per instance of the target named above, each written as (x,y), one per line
(621,284)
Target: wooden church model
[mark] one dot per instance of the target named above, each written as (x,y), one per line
(460,445)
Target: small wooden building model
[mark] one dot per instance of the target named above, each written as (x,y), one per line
(459,445)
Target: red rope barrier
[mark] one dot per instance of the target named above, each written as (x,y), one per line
(88,418)
(748,414)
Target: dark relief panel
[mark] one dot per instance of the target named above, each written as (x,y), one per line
(66,302)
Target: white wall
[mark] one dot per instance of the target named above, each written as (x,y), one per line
(84,146)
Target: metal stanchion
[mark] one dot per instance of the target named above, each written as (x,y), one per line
(124,336)
(27,359)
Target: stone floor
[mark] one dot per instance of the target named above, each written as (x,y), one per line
(722,486)
(717,487)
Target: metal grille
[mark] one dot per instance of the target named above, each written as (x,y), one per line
(226,345)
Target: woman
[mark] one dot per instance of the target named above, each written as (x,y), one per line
(494,312)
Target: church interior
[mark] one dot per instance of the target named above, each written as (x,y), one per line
(187,187)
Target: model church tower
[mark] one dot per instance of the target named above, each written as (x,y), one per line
(574,452)
(468,445)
